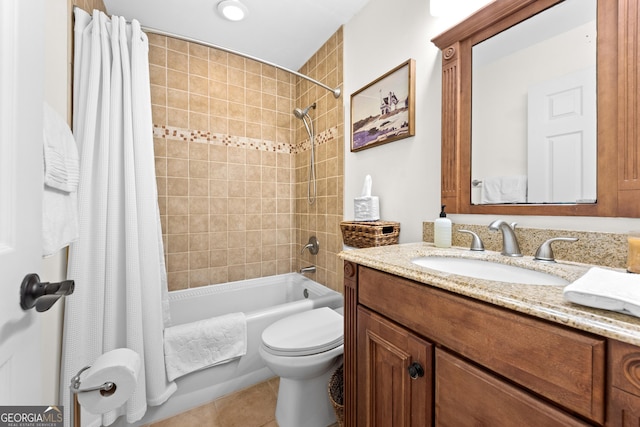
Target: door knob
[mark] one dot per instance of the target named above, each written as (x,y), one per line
(415,370)
(34,293)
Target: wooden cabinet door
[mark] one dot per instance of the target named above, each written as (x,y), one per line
(469,396)
(387,394)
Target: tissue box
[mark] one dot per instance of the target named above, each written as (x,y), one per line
(369,234)
(366,208)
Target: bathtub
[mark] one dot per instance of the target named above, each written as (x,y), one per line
(263,301)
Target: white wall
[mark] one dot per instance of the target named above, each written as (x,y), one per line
(382,36)
(54,269)
(406,173)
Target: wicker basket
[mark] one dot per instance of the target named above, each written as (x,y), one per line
(371,233)
(336,393)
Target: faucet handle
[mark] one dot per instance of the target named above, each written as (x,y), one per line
(313,245)
(545,253)
(476,242)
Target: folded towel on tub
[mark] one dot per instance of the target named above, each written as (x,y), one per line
(197,345)
(606,289)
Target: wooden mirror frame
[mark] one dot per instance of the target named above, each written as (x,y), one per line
(618,79)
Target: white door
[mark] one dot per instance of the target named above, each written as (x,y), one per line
(21,97)
(562,134)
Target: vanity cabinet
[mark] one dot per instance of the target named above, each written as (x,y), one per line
(482,364)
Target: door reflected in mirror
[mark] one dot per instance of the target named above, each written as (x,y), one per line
(533,114)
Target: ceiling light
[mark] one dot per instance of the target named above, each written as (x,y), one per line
(232,10)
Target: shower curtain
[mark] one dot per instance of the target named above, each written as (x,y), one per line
(117,262)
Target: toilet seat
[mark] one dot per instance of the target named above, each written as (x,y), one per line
(303,334)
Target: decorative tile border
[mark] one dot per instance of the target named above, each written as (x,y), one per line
(180,134)
(322,138)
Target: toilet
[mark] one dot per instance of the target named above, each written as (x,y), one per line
(303,350)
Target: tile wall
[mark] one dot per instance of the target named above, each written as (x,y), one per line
(227,162)
(323,217)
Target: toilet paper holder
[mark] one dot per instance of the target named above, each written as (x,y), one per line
(106,389)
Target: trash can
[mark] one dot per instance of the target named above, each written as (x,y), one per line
(336,393)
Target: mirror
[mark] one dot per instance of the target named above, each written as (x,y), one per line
(533,109)
(618,109)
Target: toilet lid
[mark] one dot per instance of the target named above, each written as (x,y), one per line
(310,332)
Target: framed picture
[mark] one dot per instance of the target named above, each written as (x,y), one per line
(384,110)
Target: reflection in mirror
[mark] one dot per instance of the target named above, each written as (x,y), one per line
(534,110)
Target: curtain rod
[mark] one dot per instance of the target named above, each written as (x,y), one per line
(336,92)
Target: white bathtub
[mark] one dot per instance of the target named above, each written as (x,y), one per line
(263,301)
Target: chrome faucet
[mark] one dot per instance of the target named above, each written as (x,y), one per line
(510,245)
(309,269)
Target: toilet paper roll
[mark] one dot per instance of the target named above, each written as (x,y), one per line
(121,367)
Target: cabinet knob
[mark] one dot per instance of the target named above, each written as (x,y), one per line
(415,370)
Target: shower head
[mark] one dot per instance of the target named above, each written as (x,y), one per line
(300,113)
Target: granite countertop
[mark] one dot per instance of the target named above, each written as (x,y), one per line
(545,302)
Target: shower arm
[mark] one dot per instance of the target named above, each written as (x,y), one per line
(335,91)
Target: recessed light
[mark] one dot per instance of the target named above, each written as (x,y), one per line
(233,10)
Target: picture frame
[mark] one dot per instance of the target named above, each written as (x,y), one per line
(384,110)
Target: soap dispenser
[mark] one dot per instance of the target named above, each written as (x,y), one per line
(442,230)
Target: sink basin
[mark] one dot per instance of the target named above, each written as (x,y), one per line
(482,269)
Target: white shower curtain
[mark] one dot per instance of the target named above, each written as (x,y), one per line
(117,262)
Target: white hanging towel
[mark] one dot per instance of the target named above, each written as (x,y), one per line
(197,345)
(606,289)
(504,189)
(61,176)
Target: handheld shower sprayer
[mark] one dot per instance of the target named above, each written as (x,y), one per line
(303,114)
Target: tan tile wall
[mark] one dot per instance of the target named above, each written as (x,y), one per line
(208,90)
(225,141)
(223,135)
(322,219)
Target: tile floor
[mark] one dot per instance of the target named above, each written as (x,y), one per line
(251,407)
